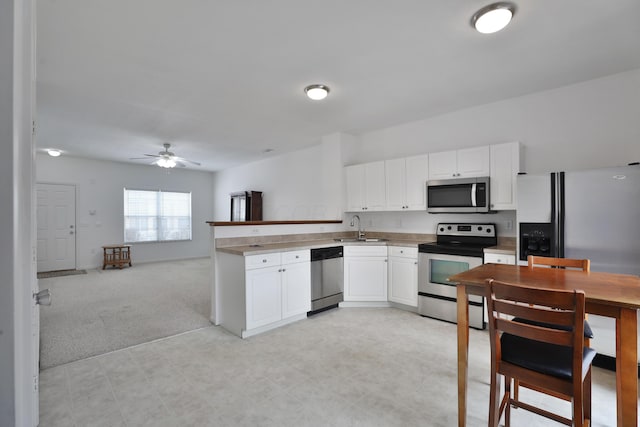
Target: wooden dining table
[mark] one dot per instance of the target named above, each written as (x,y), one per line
(607,294)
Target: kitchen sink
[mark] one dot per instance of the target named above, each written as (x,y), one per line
(353,239)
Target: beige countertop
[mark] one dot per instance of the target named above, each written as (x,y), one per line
(501,249)
(309,244)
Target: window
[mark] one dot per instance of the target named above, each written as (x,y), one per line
(156,216)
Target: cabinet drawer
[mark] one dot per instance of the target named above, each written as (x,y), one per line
(403,251)
(264,260)
(296,256)
(499,258)
(361,250)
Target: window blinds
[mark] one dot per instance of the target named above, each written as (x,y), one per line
(156,216)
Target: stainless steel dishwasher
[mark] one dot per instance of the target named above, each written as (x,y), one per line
(327,278)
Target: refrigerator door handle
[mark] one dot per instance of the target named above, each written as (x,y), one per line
(473,195)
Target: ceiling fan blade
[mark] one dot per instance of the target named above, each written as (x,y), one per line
(138,158)
(180,159)
(153,155)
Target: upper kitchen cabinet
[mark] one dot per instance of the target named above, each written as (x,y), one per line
(505,165)
(465,163)
(405,183)
(365,187)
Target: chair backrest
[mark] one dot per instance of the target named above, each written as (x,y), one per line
(582,264)
(543,309)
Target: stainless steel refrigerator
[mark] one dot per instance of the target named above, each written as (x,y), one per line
(592,214)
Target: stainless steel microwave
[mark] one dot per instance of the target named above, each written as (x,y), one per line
(464,195)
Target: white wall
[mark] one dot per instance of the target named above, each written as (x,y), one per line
(586,125)
(305,184)
(590,124)
(99,187)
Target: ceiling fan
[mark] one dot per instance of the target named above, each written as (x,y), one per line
(166,159)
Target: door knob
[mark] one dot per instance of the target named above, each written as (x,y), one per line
(43,297)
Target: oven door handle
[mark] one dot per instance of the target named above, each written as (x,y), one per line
(473,195)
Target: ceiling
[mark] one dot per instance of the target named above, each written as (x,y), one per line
(222,80)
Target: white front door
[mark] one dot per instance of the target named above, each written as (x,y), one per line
(56,222)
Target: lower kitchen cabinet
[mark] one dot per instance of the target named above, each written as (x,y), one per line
(365,273)
(403,275)
(260,292)
(296,289)
(264,296)
(494,258)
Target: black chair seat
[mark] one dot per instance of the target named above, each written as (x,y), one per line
(550,359)
(588,333)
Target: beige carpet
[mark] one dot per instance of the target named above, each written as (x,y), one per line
(102,311)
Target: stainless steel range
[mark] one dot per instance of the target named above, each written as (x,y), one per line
(458,248)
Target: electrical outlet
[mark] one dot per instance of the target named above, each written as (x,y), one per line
(509,225)
(255,230)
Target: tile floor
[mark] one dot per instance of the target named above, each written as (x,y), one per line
(345,367)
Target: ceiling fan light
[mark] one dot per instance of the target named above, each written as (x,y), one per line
(165,162)
(317,92)
(493,18)
(54,153)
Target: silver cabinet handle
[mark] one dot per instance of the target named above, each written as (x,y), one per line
(43,297)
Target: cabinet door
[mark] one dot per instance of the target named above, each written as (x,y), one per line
(417,174)
(403,281)
(365,279)
(396,183)
(473,162)
(296,289)
(375,197)
(505,165)
(355,183)
(264,296)
(443,165)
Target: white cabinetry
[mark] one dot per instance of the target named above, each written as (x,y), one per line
(405,183)
(365,187)
(505,165)
(261,292)
(264,296)
(465,163)
(494,258)
(365,273)
(403,275)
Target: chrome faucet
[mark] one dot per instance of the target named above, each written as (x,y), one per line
(360,230)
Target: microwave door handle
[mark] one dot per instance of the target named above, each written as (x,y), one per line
(473,195)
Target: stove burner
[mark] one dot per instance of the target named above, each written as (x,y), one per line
(461,239)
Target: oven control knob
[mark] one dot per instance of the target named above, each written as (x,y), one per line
(488,230)
(441,228)
(449,228)
(479,228)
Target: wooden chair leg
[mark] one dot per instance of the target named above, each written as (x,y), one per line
(507,409)
(578,405)
(587,396)
(494,405)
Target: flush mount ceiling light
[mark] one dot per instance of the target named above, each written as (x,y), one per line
(493,18)
(317,92)
(53,152)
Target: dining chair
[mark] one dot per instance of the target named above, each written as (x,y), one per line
(582,264)
(551,262)
(549,359)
